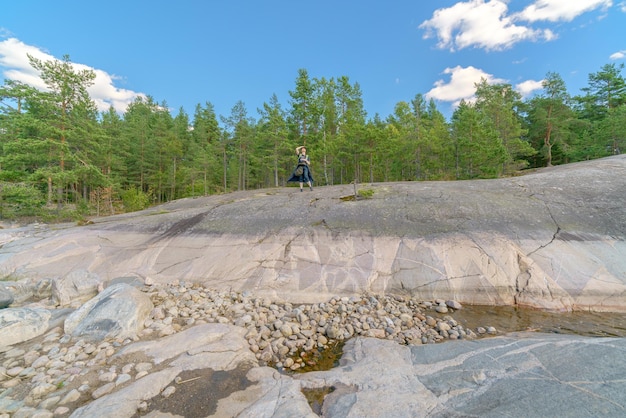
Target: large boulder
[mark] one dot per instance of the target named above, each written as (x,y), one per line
(6,297)
(117,312)
(22,324)
(20,291)
(74,288)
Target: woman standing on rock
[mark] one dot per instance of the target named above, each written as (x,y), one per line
(302,173)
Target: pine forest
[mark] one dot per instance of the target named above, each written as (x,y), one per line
(62,159)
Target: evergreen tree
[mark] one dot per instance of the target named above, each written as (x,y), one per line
(302,112)
(351,127)
(273,140)
(204,149)
(241,133)
(604,95)
(178,148)
(498,104)
(439,159)
(67,122)
(402,150)
(479,151)
(549,117)
(326,143)
(606,90)
(137,134)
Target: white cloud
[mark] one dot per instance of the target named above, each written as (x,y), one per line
(560,10)
(13,57)
(622,6)
(15,64)
(461,86)
(526,88)
(105,94)
(478,23)
(618,55)
(488,24)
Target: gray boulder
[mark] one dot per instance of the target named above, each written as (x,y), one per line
(74,288)
(20,291)
(6,298)
(21,324)
(43,289)
(117,312)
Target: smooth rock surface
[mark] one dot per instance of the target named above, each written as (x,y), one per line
(75,287)
(209,346)
(6,298)
(513,376)
(118,312)
(518,375)
(553,239)
(22,324)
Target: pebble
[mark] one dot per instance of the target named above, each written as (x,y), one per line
(55,368)
(169,391)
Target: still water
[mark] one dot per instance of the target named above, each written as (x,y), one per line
(505,319)
(511,319)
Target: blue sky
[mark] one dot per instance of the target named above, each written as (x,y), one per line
(189,52)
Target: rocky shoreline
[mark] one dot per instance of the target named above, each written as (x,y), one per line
(56,373)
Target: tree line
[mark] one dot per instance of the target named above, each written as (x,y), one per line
(60,157)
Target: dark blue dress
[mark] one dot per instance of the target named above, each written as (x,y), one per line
(306,174)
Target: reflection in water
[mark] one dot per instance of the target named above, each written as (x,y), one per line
(511,319)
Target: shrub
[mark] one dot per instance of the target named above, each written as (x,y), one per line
(19,200)
(134,200)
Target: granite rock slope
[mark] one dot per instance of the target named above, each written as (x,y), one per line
(552,239)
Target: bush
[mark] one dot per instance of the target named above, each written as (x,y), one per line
(134,200)
(366,193)
(19,200)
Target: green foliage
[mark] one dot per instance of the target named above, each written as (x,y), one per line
(19,200)
(134,200)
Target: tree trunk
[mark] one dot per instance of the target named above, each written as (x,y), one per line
(49,190)
(547,140)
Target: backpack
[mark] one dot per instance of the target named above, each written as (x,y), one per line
(299,170)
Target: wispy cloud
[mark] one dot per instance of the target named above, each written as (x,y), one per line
(16,66)
(619,55)
(560,10)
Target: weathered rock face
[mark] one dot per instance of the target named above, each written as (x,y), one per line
(553,239)
(524,375)
(74,288)
(520,375)
(22,324)
(118,312)
(215,347)
(213,360)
